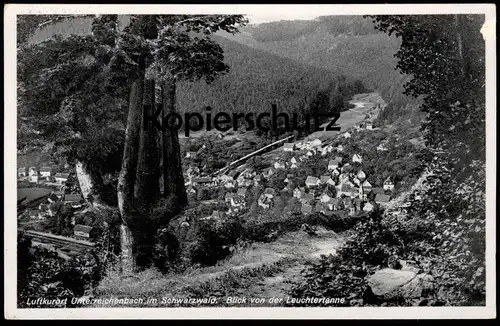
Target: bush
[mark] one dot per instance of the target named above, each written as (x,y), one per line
(212,241)
(43,274)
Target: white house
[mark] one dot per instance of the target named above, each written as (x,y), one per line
(61,177)
(368,207)
(288,147)
(369,125)
(388,184)
(347,135)
(279,164)
(312,181)
(45,172)
(357,158)
(190,154)
(340,148)
(310,153)
(381,148)
(325,198)
(367,187)
(361,175)
(32,171)
(335,163)
(34,178)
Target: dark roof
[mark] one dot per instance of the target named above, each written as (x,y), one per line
(202,179)
(381,198)
(325,178)
(73,197)
(83,228)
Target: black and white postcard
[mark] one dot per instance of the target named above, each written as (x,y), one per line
(195,159)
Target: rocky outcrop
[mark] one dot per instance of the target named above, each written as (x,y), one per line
(388,283)
(387,280)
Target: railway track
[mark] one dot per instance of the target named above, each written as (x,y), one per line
(66,247)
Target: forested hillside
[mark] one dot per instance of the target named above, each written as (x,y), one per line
(255,78)
(347,44)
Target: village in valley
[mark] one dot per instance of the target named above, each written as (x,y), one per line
(342,188)
(339,187)
(44,193)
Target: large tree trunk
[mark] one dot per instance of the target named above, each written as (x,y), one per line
(172,164)
(147,187)
(127,176)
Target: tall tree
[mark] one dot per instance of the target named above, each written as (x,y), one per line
(67,81)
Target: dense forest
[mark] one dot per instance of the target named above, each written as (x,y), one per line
(345,44)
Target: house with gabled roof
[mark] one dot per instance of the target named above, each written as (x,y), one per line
(388,184)
(369,125)
(45,172)
(324,178)
(61,177)
(336,172)
(288,147)
(83,232)
(357,158)
(312,181)
(367,186)
(298,192)
(279,164)
(73,198)
(32,171)
(335,163)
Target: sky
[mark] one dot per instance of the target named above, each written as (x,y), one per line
(270,17)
